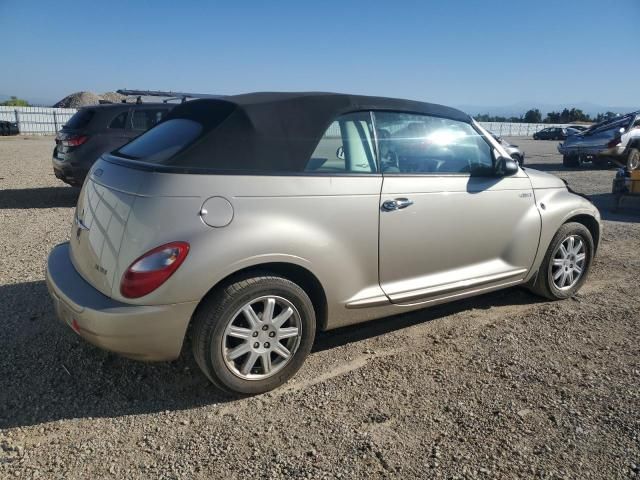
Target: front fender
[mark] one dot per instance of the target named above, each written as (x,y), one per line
(557,206)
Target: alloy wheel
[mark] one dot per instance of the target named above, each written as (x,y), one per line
(262,337)
(568,264)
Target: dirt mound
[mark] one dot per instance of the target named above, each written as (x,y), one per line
(113,97)
(83,99)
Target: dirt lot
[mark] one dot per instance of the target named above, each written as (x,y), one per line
(500,386)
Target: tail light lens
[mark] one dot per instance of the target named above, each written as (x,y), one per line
(75,141)
(153,269)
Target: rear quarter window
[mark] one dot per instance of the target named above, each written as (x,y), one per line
(146,118)
(120,121)
(161,143)
(81,119)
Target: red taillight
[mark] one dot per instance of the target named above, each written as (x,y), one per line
(75,141)
(614,142)
(153,269)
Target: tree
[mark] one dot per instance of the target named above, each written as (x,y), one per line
(533,116)
(567,116)
(601,117)
(15,102)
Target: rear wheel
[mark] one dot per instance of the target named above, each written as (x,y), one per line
(252,335)
(601,164)
(566,263)
(633,159)
(570,161)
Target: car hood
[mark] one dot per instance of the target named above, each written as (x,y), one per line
(543,179)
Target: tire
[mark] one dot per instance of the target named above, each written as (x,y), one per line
(601,164)
(544,284)
(570,161)
(633,159)
(222,308)
(518,160)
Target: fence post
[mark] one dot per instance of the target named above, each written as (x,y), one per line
(55,122)
(15,111)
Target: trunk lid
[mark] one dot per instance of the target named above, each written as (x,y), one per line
(104,205)
(599,135)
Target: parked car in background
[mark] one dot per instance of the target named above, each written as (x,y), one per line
(8,128)
(614,141)
(97,129)
(513,150)
(551,133)
(251,224)
(580,128)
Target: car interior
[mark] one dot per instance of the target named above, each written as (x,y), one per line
(407,144)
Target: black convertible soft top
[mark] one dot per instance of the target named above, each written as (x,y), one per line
(274,132)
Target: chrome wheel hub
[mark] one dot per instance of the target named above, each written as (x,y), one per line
(568,262)
(261,338)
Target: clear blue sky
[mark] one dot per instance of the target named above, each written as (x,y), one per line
(465,52)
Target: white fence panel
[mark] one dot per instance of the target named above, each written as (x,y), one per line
(37,120)
(49,120)
(516,129)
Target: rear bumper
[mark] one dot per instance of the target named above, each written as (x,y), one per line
(595,151)
(67,171)
(142,332)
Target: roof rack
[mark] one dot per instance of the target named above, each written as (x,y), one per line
(167,94)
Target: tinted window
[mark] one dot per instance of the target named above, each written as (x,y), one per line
(346,147)
(411,143)
(162,142)
(119,121)
(80,119)
(147,118)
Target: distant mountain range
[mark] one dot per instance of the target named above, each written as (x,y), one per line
(518,109)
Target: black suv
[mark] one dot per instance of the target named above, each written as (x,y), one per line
(551,133)
(97,129)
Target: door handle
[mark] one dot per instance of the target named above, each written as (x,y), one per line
(397,204)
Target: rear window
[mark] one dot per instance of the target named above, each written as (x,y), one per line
(159,144)
(81,119)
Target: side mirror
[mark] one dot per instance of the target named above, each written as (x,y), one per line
(506,166)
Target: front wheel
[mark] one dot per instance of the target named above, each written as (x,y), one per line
(252,335)
(566,264)
(518,160)
(633,160)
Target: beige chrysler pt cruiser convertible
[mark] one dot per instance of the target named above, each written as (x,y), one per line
(253,221)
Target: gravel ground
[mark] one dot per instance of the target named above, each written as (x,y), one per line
(501,386)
